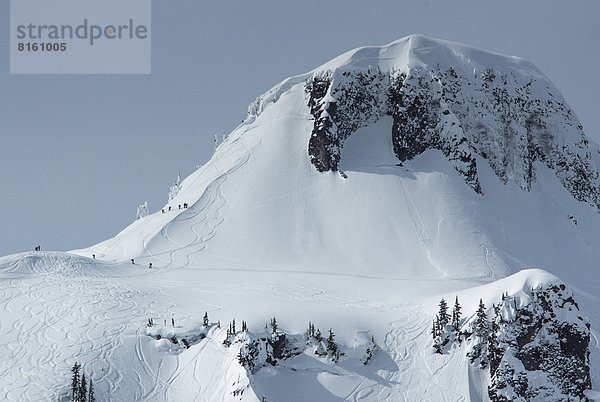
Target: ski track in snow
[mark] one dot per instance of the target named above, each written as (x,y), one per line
(209,213)
(416,219)
(409,347)
(60,302)
(89,314)
(419,226)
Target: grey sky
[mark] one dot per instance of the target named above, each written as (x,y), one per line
(79,153)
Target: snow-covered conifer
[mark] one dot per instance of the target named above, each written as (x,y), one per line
(481,322)
(331,345)
(456,313)
(175,188)
(318,336)
(83,389)
(142,210)
(444,317)
(434,328)
(91,397)
(75,381)
(494,350)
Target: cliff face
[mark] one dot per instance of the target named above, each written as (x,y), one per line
(469,105)
(541,349)
(534,343)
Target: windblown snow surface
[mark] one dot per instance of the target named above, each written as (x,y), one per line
(264,235)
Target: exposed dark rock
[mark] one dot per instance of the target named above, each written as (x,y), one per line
(341,110)
(538,350)
(322,140)
(503,118)
(414,119)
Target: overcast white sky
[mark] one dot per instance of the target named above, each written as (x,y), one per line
(79,153)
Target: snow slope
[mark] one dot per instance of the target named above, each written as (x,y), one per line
(260,196)
(365,251)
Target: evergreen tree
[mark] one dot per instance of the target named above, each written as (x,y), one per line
(331,346)
(310,332)
(83,389)
(481,323)
(434,329)
(91,397)
(437,345)
(436,333)
(274,324)
(456,314)
(244,326)
(494,351)
(444,318)
(318,336)
(205,319)
(75,382)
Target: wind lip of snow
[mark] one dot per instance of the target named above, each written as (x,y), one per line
(411,51)
(519,283)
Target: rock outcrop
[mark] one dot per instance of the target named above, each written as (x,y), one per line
(535,346)
(468,104)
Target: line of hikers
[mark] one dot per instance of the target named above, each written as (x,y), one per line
(149,264)
(185,205)
(151,322)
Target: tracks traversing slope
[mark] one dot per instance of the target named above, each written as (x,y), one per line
(205,215)
(416,379)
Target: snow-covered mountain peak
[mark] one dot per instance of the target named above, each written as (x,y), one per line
(413,51)
(355,198)
(427,160)
(464,102)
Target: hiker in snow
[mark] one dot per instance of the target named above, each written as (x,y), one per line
(173,322)
(169,208)
(185,205)
(133,262)
(150,265)
(163,210)
(179,206)
(94,256)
